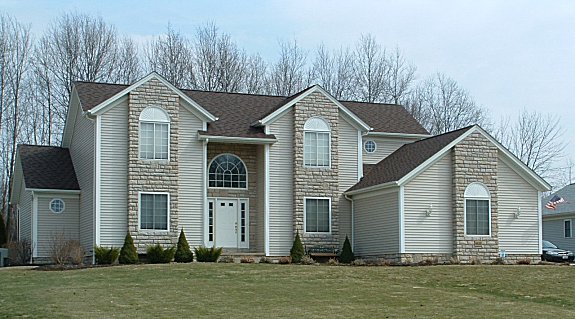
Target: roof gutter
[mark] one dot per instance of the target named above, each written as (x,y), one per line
(371,188)
(404,135)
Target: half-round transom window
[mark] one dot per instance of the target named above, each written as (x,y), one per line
(370,146)
(57,206)
(227,171)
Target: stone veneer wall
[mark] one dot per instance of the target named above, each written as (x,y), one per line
(152,175)
(316,182)
(474,160)
(248,154)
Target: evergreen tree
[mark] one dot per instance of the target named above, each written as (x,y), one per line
(183,252)
(128,254)
(297,252)
(346,255)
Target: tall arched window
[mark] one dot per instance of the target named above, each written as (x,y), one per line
(228,171)
(477,210)
(317,149)
(154,134)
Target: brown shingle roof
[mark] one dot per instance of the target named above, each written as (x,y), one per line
(389,118)
(92,94)
(237,112)
(406,159)
(47,167)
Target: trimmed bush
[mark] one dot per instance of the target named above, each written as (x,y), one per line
(297,252)
(106,256)
(207,255)
(307,260)
(158,255)
(346,255)
(183,252)
(128,254)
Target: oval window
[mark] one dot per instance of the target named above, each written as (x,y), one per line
(370,146)
(57,206)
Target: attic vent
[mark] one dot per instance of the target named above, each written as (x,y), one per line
(154,114)
(316,124)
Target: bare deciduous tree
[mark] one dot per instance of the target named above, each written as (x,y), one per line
(221,65)
(370,70)
(15,48)
(399,78)
(535,138)
(441,105)
(334,71)
(255,76)
(289,75)
(129,68)
(171,55)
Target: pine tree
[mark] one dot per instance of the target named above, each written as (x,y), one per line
(3,235)
(297,252)
(128,254)
(346,253)
(183,252)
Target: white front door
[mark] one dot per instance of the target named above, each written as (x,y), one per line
(229,222)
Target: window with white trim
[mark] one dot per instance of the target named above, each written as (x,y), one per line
(154,211)
(567,227)
(317,213)
(57,205)
(227,171)
(477,210)
(317,143)
(370,146)
(154,134)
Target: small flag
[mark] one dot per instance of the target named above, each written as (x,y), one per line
(552,203)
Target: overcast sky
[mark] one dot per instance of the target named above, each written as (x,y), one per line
(509,55)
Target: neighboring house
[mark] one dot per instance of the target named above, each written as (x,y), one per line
(558,223)
(247,172)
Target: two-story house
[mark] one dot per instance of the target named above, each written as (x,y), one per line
(246,172)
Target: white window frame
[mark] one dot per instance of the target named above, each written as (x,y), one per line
(305,215)
(374,146)
(309,127)
(230,188)
(570,228)
(140,213)
(63,205)
(156,116)
(484,198)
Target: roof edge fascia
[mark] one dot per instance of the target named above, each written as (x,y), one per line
(316,88)
(236,140)
(102,107)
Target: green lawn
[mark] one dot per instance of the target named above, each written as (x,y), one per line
(270,291)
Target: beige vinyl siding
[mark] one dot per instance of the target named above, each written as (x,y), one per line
(281,186)
(50,225)
(434,233)
(385,146)
(260,227)
(376,223)
(25,213)
(554,231)
(114,176)
(347,173)
(82,153)
(190,170)
(517,235)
